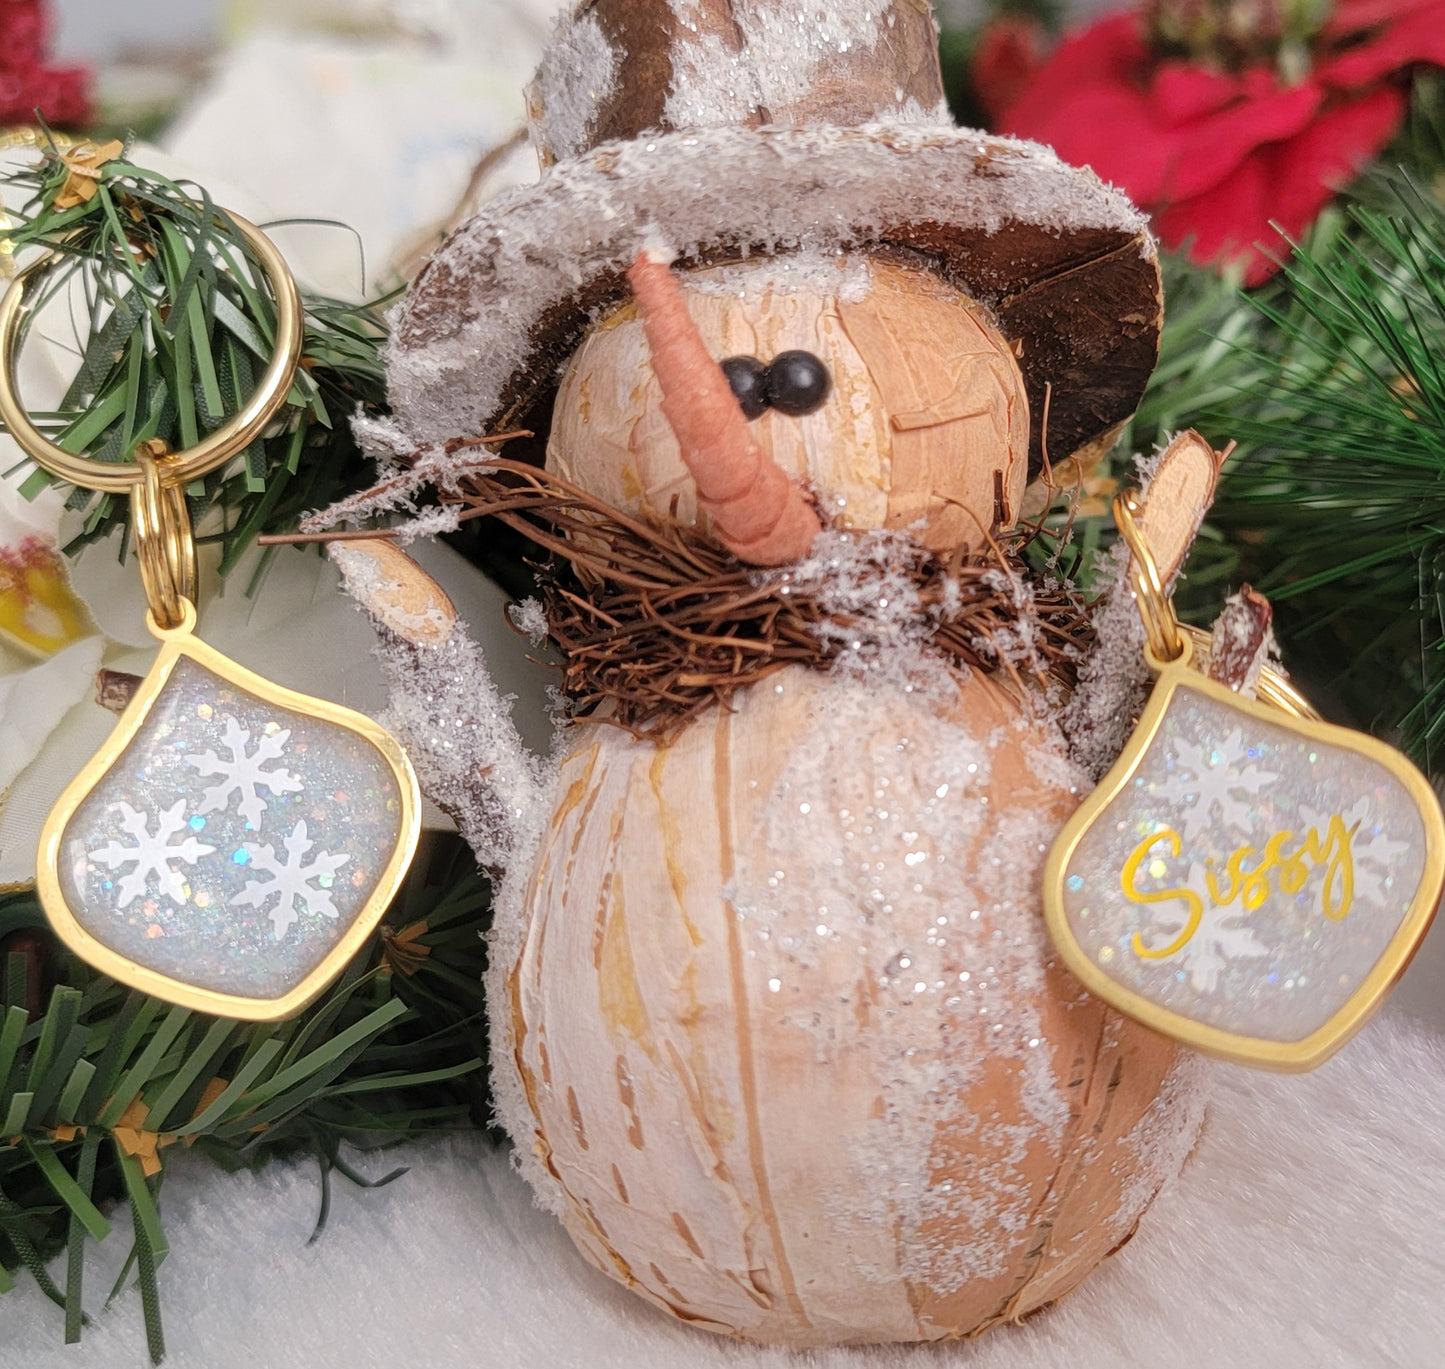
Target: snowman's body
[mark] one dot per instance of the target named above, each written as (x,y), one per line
(776,1018)
(798,1057)
(776,1027)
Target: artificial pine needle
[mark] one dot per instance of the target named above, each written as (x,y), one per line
(177,324)
(1338,495)
(383,1056)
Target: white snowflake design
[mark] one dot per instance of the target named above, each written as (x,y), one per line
(1216,940)
(1207,777)
(152,853)
(291,879)
(245,773)
(1374,853)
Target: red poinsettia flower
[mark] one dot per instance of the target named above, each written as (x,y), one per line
(27,84)
(1218,154)
(1010,50)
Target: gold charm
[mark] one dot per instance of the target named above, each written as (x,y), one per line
(1247,878)
(233,843)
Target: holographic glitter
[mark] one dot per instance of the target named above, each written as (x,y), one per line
(233,842)
(1249,875)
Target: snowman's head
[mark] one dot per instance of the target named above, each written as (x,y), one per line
(879,386)
(958,288)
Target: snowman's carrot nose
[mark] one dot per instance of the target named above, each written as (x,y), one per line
(759,513)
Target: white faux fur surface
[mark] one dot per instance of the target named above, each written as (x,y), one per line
(1304,1234)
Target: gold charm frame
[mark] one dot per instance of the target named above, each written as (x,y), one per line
(178,643)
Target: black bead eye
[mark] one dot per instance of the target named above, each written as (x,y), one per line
(798,383)
(749,380)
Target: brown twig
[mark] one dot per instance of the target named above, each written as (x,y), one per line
(663,622)
(656,622)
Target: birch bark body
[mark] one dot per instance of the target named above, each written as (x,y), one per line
(801,1145)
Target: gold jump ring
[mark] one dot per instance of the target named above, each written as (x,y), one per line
(1161,627)
(165,548)
(233,436)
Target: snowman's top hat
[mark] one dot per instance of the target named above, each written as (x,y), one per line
(730,127)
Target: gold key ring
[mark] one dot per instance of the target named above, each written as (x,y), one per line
(233,436)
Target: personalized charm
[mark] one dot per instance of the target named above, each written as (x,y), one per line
(1245,880)
(233,843)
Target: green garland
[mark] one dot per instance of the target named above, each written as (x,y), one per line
(1331,381)
(97,1083)
(1331,378)
(177,329)
(1338,502)
(96,1079)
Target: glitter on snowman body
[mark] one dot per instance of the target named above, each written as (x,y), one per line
(820,1003)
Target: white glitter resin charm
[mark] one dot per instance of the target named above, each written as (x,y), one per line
(1244,880)
(233,843)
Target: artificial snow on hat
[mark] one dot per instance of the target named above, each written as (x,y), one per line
(726,128)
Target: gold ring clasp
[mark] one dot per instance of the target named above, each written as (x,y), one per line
(1272,687)
(233,436)
(156,478)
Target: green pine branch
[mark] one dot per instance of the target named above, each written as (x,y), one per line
(1339,497)
(1329,379)
(173,324)
(93,1077)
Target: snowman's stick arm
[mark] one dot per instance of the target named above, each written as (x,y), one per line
(1175,499)
(758,511)
(445,708)
(1113,677)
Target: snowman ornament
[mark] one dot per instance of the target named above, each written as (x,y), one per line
(777,1028)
